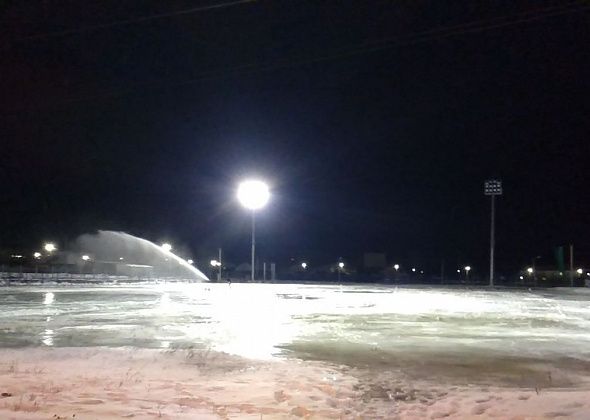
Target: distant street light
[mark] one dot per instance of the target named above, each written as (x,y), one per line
(530,270)
(304,265)
(340,267)
(36,255)
(85,257)
(396,267)
(190,262)
(215,263)
(413,270)
(579,271)
(467,270)
(167,247)
(49,247)
(253,195)
(492,187)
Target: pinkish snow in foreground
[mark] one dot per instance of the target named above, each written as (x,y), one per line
(101,383)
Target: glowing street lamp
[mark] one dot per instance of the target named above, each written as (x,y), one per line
(36,255)
(467,270)
(396,267)
(85,258)
(413,269)
(253,195)
(579,271)
(215,263)
(530,270)
(340,267)
(49,247)
(167,247)
(190,262)
(304,265)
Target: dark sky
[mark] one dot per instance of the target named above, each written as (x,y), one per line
(375,122)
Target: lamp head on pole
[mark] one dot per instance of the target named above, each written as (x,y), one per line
(253,194)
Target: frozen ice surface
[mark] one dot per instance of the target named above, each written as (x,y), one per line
(351,324)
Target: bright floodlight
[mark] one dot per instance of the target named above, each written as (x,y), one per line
(253,194)
(396,266)
(85,257)
(341,264)
(530,270)
(167,247)
(215,263)
(304,265)
(49,247)
(579,271)
(467,268)
(36,255)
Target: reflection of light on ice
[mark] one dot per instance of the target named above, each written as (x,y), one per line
(251,320)
(47,337)
(49,297)
(165,302)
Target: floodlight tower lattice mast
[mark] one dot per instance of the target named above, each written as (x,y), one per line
(492,187)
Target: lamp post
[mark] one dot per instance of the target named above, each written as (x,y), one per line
(340,267)
(253,195)
(492,187)
(467,270)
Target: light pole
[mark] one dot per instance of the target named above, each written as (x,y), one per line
(467,270)
(253,195)
(492,187)
(340,267)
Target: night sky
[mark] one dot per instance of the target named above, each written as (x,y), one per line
(375,123)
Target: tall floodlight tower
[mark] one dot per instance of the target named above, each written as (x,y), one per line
(253,195)
(492,187)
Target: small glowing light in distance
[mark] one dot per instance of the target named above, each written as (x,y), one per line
(579,271)
(529,270)
(16,256)
(304,265)
(341,264)
(190,261)
(413,270)
(36,255)
(467,268)
(396,267)
(49,247)
(167,247)
(85,257)
(215,263)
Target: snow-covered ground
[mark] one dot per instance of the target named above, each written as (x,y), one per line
(290,350)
